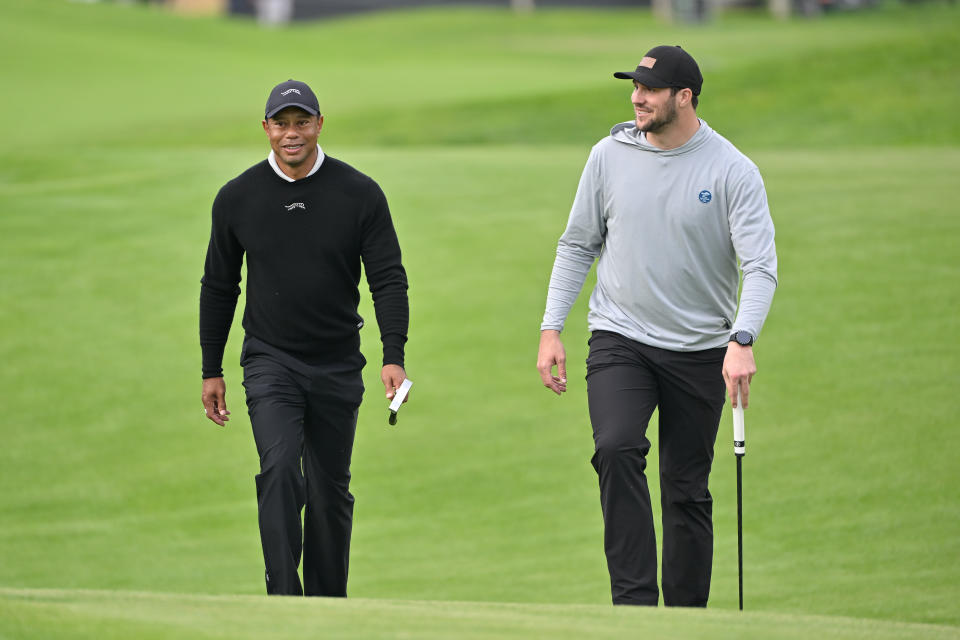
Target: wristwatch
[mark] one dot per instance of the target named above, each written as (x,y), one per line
(743,338)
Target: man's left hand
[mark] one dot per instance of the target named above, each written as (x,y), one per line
(393,376)
(738,370)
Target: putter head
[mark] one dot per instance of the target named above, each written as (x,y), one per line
(398,398)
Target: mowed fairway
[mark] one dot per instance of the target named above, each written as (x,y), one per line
(124,513)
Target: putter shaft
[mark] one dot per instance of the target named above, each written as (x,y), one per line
(740,527)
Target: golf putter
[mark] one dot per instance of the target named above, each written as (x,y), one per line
(740,449)
(398,398)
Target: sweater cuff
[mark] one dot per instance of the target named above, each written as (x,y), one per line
(393,349)
(212,360)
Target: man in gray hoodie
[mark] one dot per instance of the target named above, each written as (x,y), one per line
(674,213)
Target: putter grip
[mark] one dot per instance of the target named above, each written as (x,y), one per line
(739,444)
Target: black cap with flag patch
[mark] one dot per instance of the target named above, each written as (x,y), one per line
(291,93)
(666,66)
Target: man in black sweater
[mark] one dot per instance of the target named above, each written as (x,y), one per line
(305,221)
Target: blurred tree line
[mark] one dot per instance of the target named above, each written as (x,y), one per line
(275,12)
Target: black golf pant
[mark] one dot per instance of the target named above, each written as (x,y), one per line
(626,381)
(304,418)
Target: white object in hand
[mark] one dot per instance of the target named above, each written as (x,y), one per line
(739,445)
(401,393)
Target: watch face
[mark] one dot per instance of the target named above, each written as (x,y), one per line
(744,338)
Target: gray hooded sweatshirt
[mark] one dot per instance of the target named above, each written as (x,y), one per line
(668,227)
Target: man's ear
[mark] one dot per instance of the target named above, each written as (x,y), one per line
(319,122)
(264,125)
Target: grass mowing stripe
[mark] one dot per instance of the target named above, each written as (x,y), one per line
(33,613)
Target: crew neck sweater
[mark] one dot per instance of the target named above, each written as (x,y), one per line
(304,242)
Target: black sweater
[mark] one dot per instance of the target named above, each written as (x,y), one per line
(304,241)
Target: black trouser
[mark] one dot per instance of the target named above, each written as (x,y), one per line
(304,418)
(626,380)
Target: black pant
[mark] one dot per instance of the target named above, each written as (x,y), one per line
(626,380)
(304,419)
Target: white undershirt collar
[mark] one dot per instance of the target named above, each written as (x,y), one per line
(272,159)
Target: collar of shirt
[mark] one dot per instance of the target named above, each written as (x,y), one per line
(272,159)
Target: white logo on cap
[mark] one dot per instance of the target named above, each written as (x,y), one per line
(296,91)
(295,205)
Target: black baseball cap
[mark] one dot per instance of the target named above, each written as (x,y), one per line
(291,93)
(666,66)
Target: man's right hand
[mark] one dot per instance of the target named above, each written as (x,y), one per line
(214,400)
(552,353)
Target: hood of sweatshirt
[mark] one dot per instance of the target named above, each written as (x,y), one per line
(627,133)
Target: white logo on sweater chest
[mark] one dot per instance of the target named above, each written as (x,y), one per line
(293,206)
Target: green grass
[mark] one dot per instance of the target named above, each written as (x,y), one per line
(477,75)
(105,615)
(121,124)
